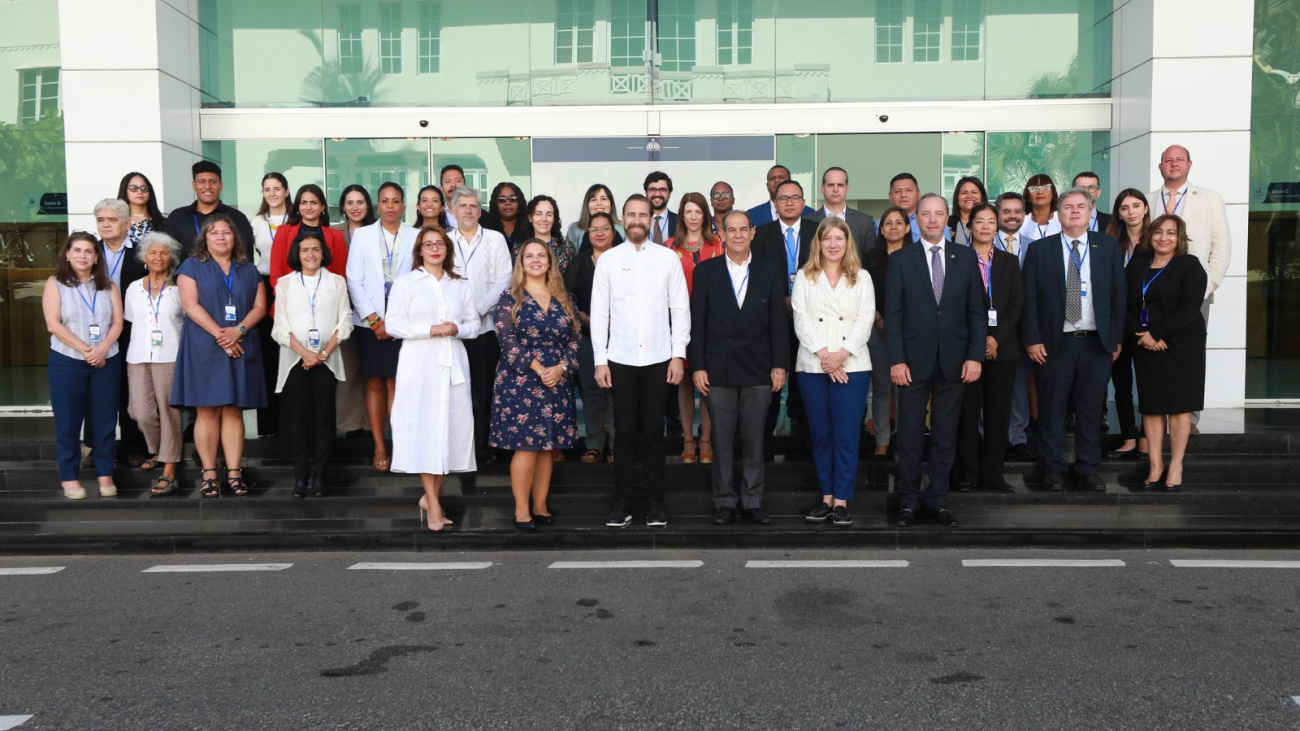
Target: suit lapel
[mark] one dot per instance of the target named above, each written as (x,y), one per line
(919,259)
(1056,260)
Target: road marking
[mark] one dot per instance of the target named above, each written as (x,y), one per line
(30,571)
(215,567)
(826,565)
(420,566)
(1233,564)
(8,722)
(626,565)
(1296,698)
(1043,562)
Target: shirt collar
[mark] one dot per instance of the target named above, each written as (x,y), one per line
(478,236)
(1065,240)
(841,215)
(749,257)
(785,225)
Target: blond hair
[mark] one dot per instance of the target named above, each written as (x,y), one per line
(850,265)
(554,284)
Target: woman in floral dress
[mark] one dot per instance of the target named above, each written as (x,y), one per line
(532,400)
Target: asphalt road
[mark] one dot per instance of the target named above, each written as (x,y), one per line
(714,644)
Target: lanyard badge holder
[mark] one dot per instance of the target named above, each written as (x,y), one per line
(155,308)
(993,313)
(1144,318)
(313,335)
(95,331)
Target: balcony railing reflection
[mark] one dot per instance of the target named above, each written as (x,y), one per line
(600,83)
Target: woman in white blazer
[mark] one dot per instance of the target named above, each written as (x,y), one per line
(432,310)
(379,254)
(834,306)
(312,318)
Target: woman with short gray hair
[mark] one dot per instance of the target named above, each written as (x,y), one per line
(153,305)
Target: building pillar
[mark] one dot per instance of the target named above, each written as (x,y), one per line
(1182,75)
(131,98)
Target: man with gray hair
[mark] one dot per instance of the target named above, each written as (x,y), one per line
(1072,326)
(113,221)
(483,259)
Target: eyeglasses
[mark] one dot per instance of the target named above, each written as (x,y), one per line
(720,196)
(656,190)
(433,245)
(1040,189)
(138,188)
(600,229)
(507,199)
(789,198)
(1090,187)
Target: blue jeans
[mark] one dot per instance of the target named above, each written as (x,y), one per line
(81,393)
(835,413)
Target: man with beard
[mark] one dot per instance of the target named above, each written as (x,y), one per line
(659,188)
(640,326)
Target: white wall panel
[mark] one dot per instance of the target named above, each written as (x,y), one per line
(1227,314)
(1203,27)
(110,105)
(1225,378)
(1201,94)
(95,34)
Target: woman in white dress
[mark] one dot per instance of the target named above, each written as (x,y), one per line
(431,310)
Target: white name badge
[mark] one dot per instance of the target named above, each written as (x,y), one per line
(993,318)
(155,338)
(313,339)
(230,313)
(1083,289)
(96,335)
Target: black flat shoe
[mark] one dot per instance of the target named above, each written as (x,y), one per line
(1174,488)
(317,489)
(300,488)
(548,519)
(526,525)
(1123,454)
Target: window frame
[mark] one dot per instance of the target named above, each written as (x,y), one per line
(390,43)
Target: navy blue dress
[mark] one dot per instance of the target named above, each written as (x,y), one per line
(526,414)
(205,375)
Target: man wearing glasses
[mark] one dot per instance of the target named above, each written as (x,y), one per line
(1090,182)
(723,199)
(663,222)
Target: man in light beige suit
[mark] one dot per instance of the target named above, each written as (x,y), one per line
(1206,218)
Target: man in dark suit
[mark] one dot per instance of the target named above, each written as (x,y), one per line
(121,260)
(740,355)
(663,222)
(835,193)
(766,212)
(787,241)
(184,223)
(1072,328)
(935,329)
(1091,183)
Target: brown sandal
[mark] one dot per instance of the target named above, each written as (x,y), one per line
(706,451)
(591,456)
(688,451)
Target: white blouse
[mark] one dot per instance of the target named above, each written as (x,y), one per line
(296,315)
(161,314)
(834,318)
(264,228)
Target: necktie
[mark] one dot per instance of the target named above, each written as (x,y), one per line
(1171,206)
(936,264)
(1073,302)
(1011,244)
(657,235)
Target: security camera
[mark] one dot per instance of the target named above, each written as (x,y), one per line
(424,123)
(883,118)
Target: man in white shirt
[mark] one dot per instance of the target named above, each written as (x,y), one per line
(640,326)
(1011,216)
(1202,209)
(483,259)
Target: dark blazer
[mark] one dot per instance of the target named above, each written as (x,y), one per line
(1009,301)
(769,243)
(925,335)
(762,213)
(862,227)
(1103,222)
(132,268)
(184,222)
(1043,318)
(672,225)
(739,346)
(1174,316)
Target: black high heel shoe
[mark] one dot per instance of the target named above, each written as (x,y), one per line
(527,525)
(544,519)
(1157,485)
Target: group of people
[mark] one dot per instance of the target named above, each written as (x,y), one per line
(467,334)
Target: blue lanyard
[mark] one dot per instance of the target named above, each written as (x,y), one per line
(311,297)
(90,303)
(120,255)
(1078,263)
(1164,201)
(388,250)
(230,283)
(1092,224)
(155,306)
(988,270)
(461,249)
(196,223)
(1146,283)
(743,282)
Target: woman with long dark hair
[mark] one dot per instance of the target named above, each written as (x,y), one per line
(429,207)
(503,214)
(968,193)
(356,210)
(308,217)
(1130,222)
(894,233)
(146,215)
(271,216)
(1040,219)
(544,223)
(598,198)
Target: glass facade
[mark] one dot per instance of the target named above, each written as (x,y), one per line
(33,185)
(1273,254)
(571,52)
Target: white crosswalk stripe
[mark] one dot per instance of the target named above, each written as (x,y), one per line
(31,571)
(8,722)
(1042,562)
(215,568)
(463,566)
(627,564)
(864,564)
(1233,564)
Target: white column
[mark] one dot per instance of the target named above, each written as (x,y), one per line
(131,98)
(1182,75)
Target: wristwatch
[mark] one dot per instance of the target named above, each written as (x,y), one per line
(243,330)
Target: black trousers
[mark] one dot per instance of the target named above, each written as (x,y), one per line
(268,418)
(307,419)
(1073,379)
(982,461)
(483,353)
(639,402)
(1121,374)
(793,402)
(945,399)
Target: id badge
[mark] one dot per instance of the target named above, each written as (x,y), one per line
(1142,317)
(791,289)
(1083,289)
(993,317)
(313,339)
(230,313)
(155,338)
(96,335)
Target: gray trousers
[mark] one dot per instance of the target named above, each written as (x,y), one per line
(1020,402)
(882,387)
(746,405)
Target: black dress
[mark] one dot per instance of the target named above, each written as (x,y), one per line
(1170,381)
